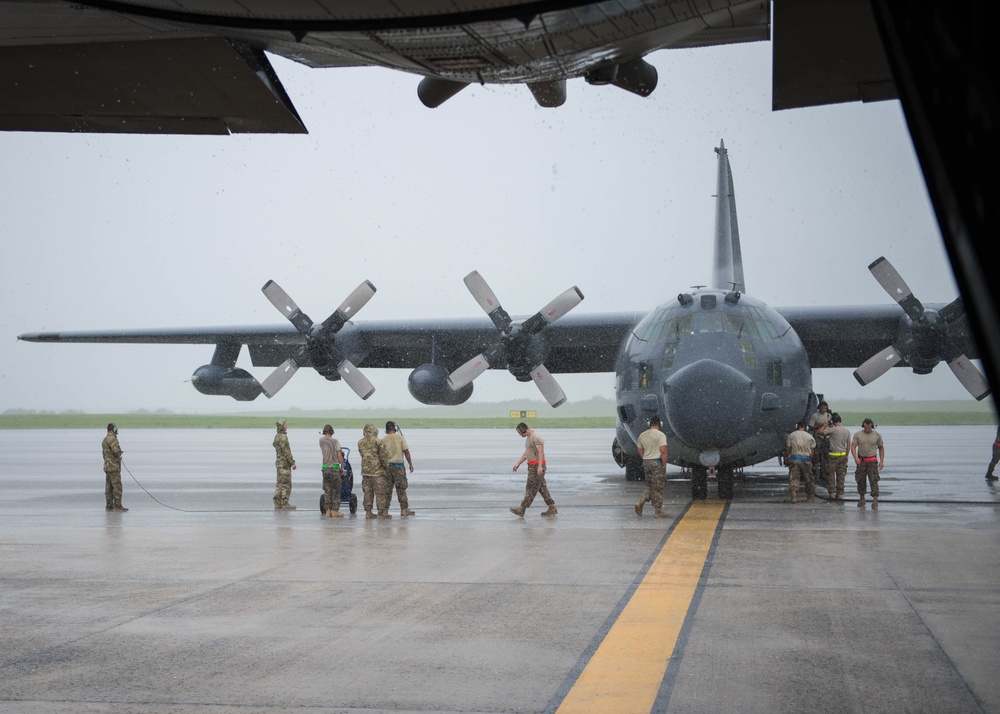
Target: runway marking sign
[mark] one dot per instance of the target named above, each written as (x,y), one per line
(627,669)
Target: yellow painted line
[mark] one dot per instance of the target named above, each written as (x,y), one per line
(628,667)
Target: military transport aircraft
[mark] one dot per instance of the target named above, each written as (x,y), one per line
(728,375)
(199,66)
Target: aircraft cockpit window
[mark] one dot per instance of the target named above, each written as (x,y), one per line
(707,322)
(774,372)
(669,352)
(767,328)
(678,327)
(749,353)
(740,325)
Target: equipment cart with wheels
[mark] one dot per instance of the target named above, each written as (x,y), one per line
(346,486)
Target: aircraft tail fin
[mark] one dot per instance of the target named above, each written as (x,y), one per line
(727,272)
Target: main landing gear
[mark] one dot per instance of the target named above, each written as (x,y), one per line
(631,464)
(725,478)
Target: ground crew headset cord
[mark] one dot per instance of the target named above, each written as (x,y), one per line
(187,510)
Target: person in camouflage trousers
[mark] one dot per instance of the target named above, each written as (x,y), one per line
(333,470)
(534,454)
(284,462)
(112,471)
(374,476)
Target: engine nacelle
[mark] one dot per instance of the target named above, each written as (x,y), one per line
(428,384)
(226,382)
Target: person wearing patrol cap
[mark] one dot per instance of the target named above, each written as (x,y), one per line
(112,471)
(869,455)
(397,449)
(284,462)
(333,470)
(838,441)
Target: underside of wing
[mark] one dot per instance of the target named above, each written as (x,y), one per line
(203,85)
(199,67)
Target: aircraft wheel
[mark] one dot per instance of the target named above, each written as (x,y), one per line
(699,482)
(727,478)
(353,503)
(322,503)
(617,454)
(633,469)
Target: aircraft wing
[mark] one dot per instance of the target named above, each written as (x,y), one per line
(576,343)
(847,336)
(199,67)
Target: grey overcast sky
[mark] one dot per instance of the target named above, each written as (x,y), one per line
(611,192)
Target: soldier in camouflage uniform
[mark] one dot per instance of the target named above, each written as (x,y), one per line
(397,449)
(374,480)
(284,462)
(333,469)
(112,471)
(534,454)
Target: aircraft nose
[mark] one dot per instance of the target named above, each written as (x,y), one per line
(709,404)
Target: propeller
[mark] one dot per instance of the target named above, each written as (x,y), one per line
(321,346)
(517,348)
(924,340)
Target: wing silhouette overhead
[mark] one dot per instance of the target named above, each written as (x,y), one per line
(199,67)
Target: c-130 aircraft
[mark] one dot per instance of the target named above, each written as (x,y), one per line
(728,375)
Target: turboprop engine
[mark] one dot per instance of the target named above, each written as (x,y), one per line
(428,384)
(226,381)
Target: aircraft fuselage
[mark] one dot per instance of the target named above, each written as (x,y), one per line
(727,375)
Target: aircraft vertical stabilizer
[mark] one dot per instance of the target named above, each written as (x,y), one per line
(727,273)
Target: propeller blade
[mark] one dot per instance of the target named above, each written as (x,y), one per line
(354,302)
(487,300)
(874,367)
(286,306)
(357,299)
(562,304)
(468,372)
(355,379)
(279,377)
(893,283)
(970,377)
(953,310)
(548,386)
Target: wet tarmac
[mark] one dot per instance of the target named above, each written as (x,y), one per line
(202,598)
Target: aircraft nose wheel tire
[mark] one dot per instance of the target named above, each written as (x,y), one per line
(726,479)
(699,482)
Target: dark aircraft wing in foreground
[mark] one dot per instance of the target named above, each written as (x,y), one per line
(199,67)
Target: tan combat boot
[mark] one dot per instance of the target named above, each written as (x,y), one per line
(287,507)
(551,512)
(861,501)
(334,514)
(638,507)
(874,501)
(660,514)
(384,516)
(517,511)
(407,512)
(369,514)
